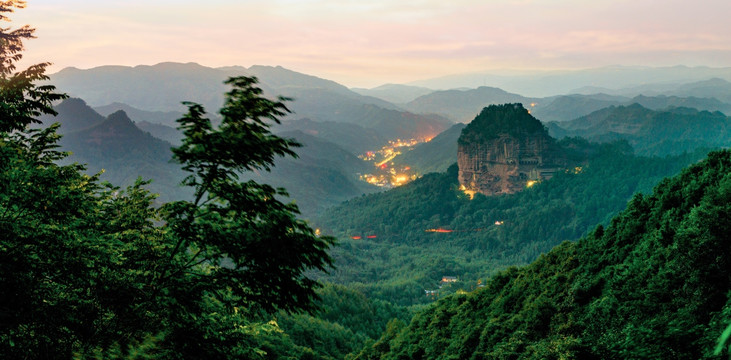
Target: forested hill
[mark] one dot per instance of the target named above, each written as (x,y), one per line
(651,132)
(407,255)
(655,284)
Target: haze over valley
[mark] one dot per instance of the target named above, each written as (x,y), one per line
(532,181)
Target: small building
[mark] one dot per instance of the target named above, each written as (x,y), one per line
(448,279)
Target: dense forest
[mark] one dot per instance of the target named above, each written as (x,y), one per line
(404,258)
(590,264)
(90,270)
(653,284)
(651,132)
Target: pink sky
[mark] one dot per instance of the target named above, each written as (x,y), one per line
(367,43)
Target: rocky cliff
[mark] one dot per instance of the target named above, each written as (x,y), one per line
(504,150)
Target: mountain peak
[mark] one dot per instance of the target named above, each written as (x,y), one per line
(119,116)
(119,123)
(74,114)
(495,120)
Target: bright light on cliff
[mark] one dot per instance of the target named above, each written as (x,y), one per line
(470,193)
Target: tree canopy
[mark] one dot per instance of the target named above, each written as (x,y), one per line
(91,270)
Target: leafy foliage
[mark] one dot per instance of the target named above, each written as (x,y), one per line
(650,132)
(512,119)
(404,259)
(653,284)
(93,271)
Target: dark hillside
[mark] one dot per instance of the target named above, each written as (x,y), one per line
(433,156)
(651,132)
(125,152)
(654,284)
(405,258)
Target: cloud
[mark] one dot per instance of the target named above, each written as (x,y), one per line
(357,39)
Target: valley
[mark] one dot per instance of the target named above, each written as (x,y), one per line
(432,210)
(343,180)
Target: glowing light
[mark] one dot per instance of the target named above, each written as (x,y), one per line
(371,237)
(387,174)
(439,230)
(530,183)
(498,223)
(356,237)
(470,193)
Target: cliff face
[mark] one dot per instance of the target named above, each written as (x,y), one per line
(504,149)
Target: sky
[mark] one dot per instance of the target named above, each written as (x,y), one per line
(362,43)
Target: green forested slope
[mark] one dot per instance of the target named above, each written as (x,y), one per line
(651,132)
(653,285)
(404,259)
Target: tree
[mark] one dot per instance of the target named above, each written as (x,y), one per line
(239,246)
(91,270)
(22,100)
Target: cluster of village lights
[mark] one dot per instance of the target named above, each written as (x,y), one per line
(386,174)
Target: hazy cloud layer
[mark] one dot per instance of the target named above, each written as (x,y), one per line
(368,43)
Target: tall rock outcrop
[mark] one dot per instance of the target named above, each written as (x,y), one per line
(504,149)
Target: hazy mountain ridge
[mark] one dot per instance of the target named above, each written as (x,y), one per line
(464,105)
(395,93)
(349,136)
(159,87)
(167,118)
(323,174)
(603,79)
(651,132)
(73,115)
(162,87)
(125,152)
(433,156)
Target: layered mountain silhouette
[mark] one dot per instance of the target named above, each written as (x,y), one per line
(609,79)
(433,156)
(464,105)
(324,173)
(651,132)
(352,137)
(162,87)
(395,93)
(123,151)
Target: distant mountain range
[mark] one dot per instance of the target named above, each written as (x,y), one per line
(324,173)
(562,82)
(161,88)
(569,107)
(117,146)
(716,88)
(332,119)
(463,105)
(433,156)
(395,93)
(395,110)
(651,132)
